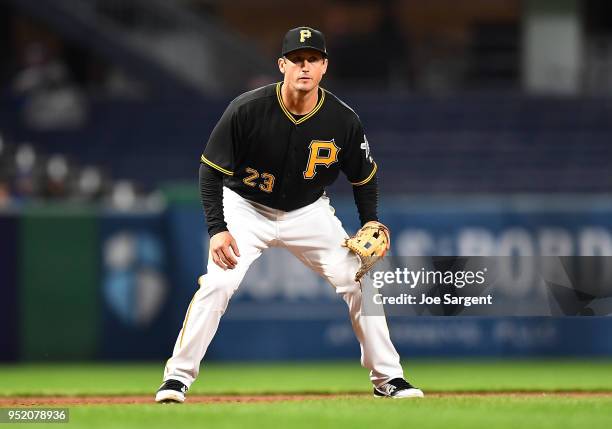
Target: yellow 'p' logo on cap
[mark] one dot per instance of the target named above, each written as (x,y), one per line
(305,34)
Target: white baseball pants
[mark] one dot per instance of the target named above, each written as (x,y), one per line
(313,234)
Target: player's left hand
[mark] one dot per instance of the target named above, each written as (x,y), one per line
(385,231)
(370,244)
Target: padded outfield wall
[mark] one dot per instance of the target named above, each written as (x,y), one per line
(83,284)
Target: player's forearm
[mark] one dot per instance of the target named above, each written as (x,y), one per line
(366,199)
(211,194)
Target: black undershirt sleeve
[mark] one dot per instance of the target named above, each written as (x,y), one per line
(211,195)
(366,199)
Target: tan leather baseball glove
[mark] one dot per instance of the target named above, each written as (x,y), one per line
(370,243)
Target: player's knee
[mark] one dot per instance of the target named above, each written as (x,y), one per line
(222,288)
(343,280)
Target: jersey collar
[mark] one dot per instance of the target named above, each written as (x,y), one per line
(288,113)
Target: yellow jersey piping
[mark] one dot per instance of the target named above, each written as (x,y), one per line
(367,179)
(215,166)
(289,115)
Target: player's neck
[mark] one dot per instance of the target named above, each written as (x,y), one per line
(299,102)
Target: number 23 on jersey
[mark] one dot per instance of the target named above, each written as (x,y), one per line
(266,183)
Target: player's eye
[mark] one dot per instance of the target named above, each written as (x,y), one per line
(300,60)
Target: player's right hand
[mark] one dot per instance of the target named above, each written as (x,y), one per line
(224,250)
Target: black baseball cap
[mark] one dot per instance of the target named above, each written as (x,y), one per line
(303,38)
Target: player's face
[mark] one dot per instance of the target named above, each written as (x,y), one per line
(303,69)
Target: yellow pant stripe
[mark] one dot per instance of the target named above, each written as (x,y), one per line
(186,319)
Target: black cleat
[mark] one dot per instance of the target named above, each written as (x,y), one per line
(171,391)
(398,388)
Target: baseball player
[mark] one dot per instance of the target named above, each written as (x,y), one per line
(263,175)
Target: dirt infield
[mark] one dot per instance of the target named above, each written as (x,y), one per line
(28,401)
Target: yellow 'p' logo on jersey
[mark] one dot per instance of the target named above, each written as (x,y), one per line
(321,153)
(305,34)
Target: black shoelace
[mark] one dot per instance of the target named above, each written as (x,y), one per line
(401,384)
(174,385)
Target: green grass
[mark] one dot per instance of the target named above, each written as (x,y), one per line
(338,413)
(453,413)
(337,377)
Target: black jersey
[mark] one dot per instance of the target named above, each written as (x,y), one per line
(269,156)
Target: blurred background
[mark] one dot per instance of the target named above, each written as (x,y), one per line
(491,121)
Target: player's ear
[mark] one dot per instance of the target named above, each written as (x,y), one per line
(281,65)
(324,65)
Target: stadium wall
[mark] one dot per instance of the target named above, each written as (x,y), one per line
(96,284)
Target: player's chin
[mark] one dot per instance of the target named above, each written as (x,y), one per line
(305,84)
